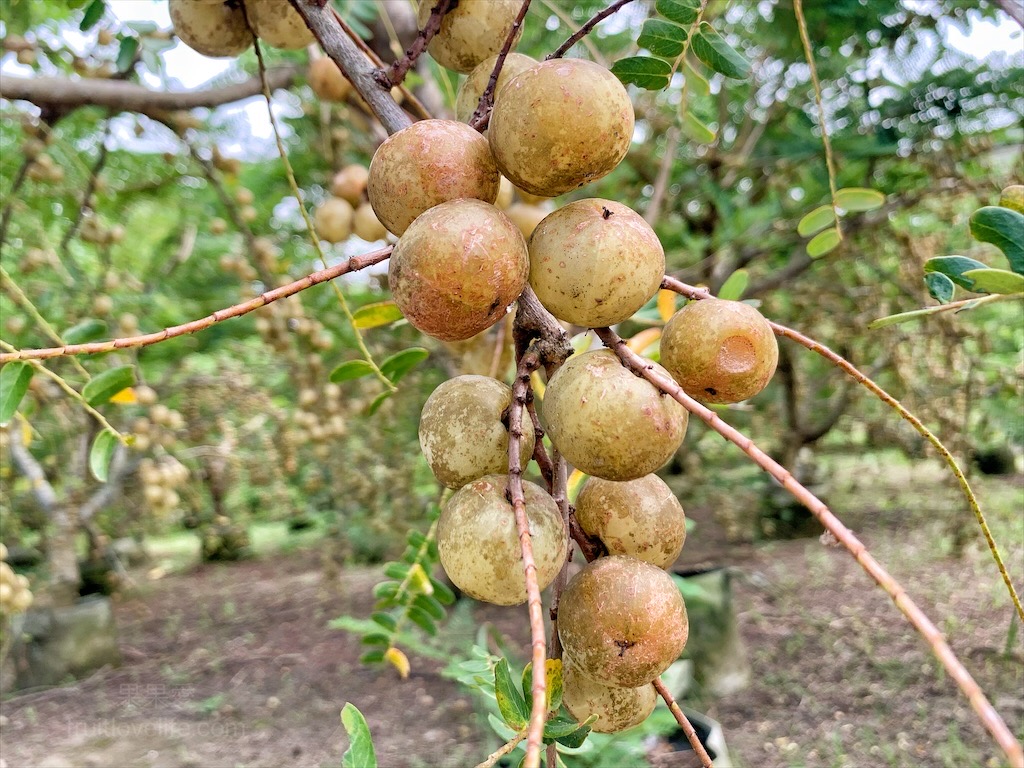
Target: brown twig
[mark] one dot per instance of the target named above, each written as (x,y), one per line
(12,197)
(986,712)
(586,29)
(684,723)
(482,114)
(540,454)
(395,74)
(354,264)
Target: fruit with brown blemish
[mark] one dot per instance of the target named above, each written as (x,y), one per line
(719,351)
(641,518)
(428,163)
(463,430)
(475,84)
(457,268)
(594,408)
(478,541)
(212,29)
(616,708)
(471,31)
(595,262)
(279,24)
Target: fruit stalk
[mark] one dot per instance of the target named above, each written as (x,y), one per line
(684,723)
(586,29)
(395,74)
(984,709)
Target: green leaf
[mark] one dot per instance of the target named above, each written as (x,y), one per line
(995,281)
(939,286)
(385,590)
(441,591)
(662,38)
(552,682)
(378,401)
(822,243)
(376,638)
(431,606)
(680,11)
(577,737)
(913,314)
(815,221)
(511,703)
(954,267)
(696,130)
(695,81)
(93,14)
(643,72)
(396,570)
(400,363)
(859,199)
(14,380)
(733,288)
(1003,228)
(360,752)
(713,51)
(558,727)
(385,620)
(351,369)
(377,314)
(88,330)
(103,387)
(126,53)
(372,657)
(422,619)
(101,453)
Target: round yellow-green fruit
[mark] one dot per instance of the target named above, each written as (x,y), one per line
(470,32)
(212,29)
(616,708)
(475,84)
(279,24)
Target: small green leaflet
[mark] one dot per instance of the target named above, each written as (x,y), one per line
(87,330)
(101,453)
(714,52)
(662,38)
(93,14)
(695,81)
(385,620)
(954,267)
(377,314)
(378,401)
(823,242)
(126,53)
(815,221)
(680,11)
(733,288)
(643,72)
(576,738)
(511,703)
(372,657)
(1004,229)
(360,752)
(100,389)
(351,369)
(696,130)
(400,363)
(859,199)
(421,619)
(995,281)
(939,286)
(14,380)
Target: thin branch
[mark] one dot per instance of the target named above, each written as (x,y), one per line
(86,202)
(684,723)
(503,750)
(482,114)
(1013,9)
(985,711)
(664,173)
(12,197)
(353,264)
(395,74)
(566,19)
(850,369)
(586,29)
(538,712)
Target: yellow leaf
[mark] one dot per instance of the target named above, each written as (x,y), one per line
(125,397)
(537,383)
(398,660)
(553,676)
(419,582)
(573,485)
(643,340)
(26,431)
(666,304)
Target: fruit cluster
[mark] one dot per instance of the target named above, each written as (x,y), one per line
(15,595)
(217,28)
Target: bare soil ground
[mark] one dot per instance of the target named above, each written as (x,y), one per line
(234,665)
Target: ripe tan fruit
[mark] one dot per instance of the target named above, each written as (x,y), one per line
(616,708)
(608,422)
(526,217)
(327,81)
(333,220)
(430,162)
(457,268)
(279,24)
(472,31)
(595,262)
(560,125)
(366,225)
(622,621)
(213,29)
(719,351)
(641,518)
(461,431)
(350,183)
(475,84)
(478,542)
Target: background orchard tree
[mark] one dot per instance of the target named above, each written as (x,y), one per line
(133,205)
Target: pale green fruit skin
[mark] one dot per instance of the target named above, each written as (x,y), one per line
(471,32)
(719,351)
(333,219)
(641,518)
(428,163)
(617,708)
(461,433)
(457,269)
(622,621)
(212,29)
(526,217)
(478,542)
(560,125)
(595,262)
(279,24)
(366,226)
(608,422)
(1013,198)
(475,84)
